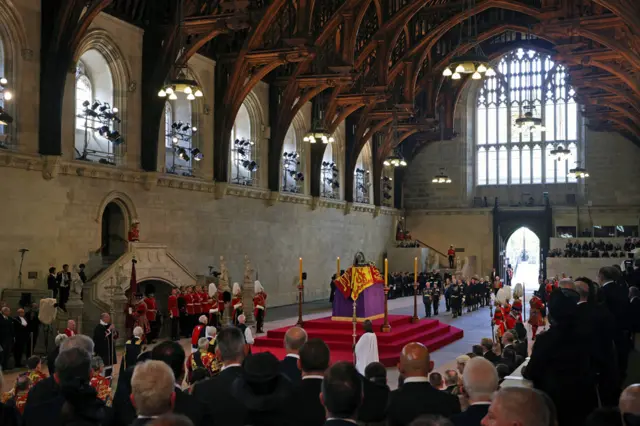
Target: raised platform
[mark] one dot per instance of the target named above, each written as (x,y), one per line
(337,335)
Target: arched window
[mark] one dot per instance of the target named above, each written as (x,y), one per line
(180,137)
(168,121)
(527,81)
(329,174)
(292,163)
(97,132)
(362,176)
(243,150)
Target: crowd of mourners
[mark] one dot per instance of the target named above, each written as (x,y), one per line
(576,369)
(593,248)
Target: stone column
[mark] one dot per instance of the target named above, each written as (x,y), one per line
(223,285)
(247,290)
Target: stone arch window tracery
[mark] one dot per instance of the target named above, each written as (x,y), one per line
(248,129)
(506,156)
(293,169)
(362,183)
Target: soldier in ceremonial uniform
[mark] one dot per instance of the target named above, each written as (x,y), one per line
(191,312)
(174,313)
(435,298)
(140,314)
(205,301)
(259,305)
(132,349)
(536,317)
(182,309)
(214,312)
(236,303)
(197,301)
(199,331)
(221,304)
(426,299)
(152,314)
(498,321)
(18,394)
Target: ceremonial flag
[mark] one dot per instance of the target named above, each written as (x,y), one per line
(343,283)
(357,279)
(133,284)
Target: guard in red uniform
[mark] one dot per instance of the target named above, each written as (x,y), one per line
(199,331)
(140,314)
(213,306)
(536,318)
(152,313)
(191,312)
(197,301)
(259,305)
(236,303)
(174,313)
(221,304)
(205,303)
(498,321)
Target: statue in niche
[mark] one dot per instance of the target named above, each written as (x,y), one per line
(458,263)
(134,232)
(223,281)
(76,283)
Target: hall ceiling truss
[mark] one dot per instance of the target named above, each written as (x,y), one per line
(371,63)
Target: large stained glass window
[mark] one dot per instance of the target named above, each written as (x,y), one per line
(506,155)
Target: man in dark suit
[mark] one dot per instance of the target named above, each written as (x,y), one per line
(341,394)
(7,337)
(153,391)
(52,282)
(376,395)
(487,348)
(451,382)
(215,392)
(21,328)
(73,369)
(480,381)
(34,328)
(314,361)
(416,396)
(294,338)
(615,296)
(634,308)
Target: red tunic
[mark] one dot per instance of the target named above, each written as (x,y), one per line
(190,306)
(260,303)
(451,252)
(220,301)
(102,385)
(498,320)
(236,303)
(151,308)
(198,332)
(197,303)
(535,313)
(140,317)
(206,360)
(205,302)
(172,305)
(69,333)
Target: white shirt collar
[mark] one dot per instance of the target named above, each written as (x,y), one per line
(147,417)
(230,365)
(581,302)
(608,282)
(416,380)
(344,420)
(296,356)
(23,321)
(103,323)
(481,403)
(313,376)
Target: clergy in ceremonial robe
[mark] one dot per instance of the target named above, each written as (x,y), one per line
(366,348)
(104,339)
(132,349)
(198,332)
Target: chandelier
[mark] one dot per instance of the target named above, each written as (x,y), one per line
(560,153)
(528,123)
(395,160)
(578,173)
(181,84)
(476,62)
(313,137)
(441,178)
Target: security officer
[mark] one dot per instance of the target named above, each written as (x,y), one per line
(426,300)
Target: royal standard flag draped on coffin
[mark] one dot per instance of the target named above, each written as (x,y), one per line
(357,279)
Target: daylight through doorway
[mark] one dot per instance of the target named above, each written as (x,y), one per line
(523,253)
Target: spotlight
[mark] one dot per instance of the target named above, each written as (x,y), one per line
(386,163)
(7,96)
(114,136)
(95,105)
(3,81)
(86,104)
(194,129)
(196,154)
(4,117)
(103,130)
(115,110)
(185,127)
(284,155)
(174,140)
(182,153)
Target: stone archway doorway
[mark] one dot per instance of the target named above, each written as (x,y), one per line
(522,252)
(113,241)
(161,290)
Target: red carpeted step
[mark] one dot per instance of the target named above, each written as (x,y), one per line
(338,337)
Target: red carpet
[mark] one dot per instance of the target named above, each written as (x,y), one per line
(337,334)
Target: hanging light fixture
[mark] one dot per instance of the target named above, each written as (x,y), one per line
(527,122)
(441,177)
(474,62)
(578,172)
(181,84)
(560,153)
(317,133)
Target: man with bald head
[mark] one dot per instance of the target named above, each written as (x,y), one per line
(629,405)
(417,397)
(294,339)
(517,406)
(479,381)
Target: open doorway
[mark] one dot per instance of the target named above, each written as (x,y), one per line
(114,243)
(522,252)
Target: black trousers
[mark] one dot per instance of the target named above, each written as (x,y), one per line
(184,324)
(259,321)
(64,297)
(447,303)
(427,309)
(19,349)
(451,262)
(175,321)
(436,305)
(5,355)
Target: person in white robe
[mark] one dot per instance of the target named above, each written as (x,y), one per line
(366,348)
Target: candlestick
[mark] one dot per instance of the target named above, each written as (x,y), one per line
(386,328)
(415,318)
